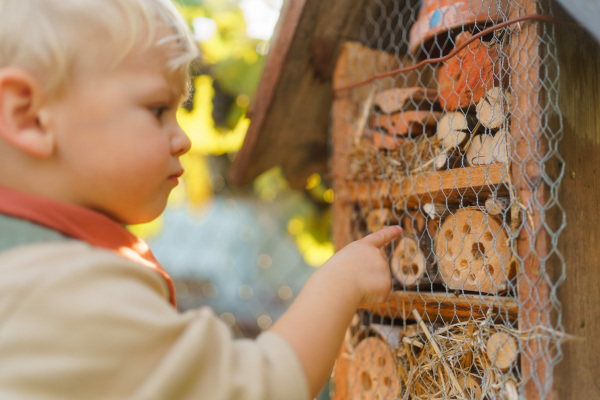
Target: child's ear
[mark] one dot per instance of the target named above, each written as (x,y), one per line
(20,99)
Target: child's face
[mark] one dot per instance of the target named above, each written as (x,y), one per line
(118,142)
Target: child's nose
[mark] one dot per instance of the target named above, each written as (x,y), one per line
(180,142)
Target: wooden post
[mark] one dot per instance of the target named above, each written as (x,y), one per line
(528,149)
(341,129)
(354,62)
(345,108)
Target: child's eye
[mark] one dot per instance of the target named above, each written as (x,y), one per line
(159,110)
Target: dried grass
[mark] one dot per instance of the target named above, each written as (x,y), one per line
(369,163)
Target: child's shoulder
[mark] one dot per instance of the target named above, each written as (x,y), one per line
(16,232)
(36,260)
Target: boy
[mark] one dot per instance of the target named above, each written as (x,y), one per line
(88,142)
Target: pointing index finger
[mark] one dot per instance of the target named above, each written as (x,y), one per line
(383,236)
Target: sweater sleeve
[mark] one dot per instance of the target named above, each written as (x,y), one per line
(85,323)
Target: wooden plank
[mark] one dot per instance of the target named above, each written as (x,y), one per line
(437,187)
(578,58)
(446,307)
(529,148)
(342,128)
(290,110)
(274,65)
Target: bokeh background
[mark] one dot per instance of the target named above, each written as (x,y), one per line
(244,251)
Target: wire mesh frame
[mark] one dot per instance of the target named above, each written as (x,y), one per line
(510,337)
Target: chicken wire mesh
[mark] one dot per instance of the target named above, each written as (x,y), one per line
(440,124)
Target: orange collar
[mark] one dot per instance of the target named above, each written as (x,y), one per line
(84,224)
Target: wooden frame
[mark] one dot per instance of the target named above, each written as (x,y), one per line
(531,308)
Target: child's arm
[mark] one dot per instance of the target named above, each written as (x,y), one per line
(358,275)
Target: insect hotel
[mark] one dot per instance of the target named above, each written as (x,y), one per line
(473,125)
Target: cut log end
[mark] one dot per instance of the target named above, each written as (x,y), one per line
(377,219)
(473,252)
(408,262)
(501,350)
(433,210)
(454,128)
(372,372)
(487,149)
(492,109)
(398,99)
(496,205)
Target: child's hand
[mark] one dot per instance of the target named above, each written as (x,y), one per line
(363,267)
(357,275)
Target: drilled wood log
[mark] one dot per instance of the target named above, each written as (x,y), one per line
(397,99)
(409,262)
(473,252)
(464,79)
(487,149)
(372,371)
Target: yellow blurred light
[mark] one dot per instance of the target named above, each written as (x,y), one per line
(313,181)
(147,230)
(242,101)
(313,252)
(199,125)
(328,196)
(295,226)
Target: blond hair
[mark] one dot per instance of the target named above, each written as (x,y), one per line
(50,38)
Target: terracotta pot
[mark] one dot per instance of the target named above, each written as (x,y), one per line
(437,18)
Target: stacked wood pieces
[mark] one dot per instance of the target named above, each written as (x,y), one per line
(464,79)
(461,361)
(473,359)
(404,112)
(398,135)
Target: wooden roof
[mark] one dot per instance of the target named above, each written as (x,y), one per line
(290,111)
